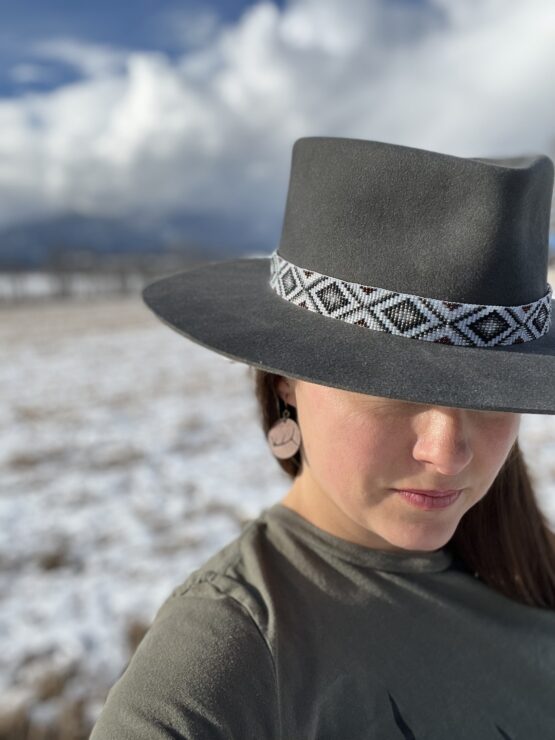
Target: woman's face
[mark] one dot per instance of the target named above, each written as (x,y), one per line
(358,449)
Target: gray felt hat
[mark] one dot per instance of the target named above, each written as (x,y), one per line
(400,272)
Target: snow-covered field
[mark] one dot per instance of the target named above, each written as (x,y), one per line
(128,456)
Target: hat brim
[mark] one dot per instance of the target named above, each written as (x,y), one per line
(229,307)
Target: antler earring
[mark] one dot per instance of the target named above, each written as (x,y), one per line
(284,437)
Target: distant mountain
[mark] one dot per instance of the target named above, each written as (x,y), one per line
(42,242)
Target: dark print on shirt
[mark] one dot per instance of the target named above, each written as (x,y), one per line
(383,715)
(408,734)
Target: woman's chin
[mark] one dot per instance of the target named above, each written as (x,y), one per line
(424,539)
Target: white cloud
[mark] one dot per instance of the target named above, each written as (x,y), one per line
(26,73)
(213,129)
(92,60)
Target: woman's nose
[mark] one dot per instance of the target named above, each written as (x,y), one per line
(443,439)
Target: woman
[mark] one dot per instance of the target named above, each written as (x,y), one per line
(404,587)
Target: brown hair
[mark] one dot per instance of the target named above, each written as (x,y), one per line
(504,537)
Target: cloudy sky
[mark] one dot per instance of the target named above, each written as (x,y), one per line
(155,106)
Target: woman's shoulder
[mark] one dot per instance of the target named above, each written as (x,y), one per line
(205,666)
(234,573)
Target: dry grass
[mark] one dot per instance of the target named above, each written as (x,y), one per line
(70,724)
(24,323)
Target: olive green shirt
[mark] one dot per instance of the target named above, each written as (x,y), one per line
(290,632)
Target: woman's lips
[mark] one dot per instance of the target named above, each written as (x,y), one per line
(429,493)
(428,500)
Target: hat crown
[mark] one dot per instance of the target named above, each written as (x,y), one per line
(419,222)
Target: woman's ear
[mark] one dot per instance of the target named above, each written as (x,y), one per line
(285,388)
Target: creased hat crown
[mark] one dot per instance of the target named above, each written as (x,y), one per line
(473,230)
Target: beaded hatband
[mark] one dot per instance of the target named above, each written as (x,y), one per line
(429,319)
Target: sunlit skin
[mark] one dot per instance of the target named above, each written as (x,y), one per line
(356,448)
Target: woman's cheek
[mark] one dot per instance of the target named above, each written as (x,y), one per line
(500,437)
(493,448)
(358,456)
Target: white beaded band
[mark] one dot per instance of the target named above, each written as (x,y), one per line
(429,319)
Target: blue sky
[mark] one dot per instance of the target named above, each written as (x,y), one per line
(141,24)
(148,108)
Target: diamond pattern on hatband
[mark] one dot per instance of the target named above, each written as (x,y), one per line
(416,317)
